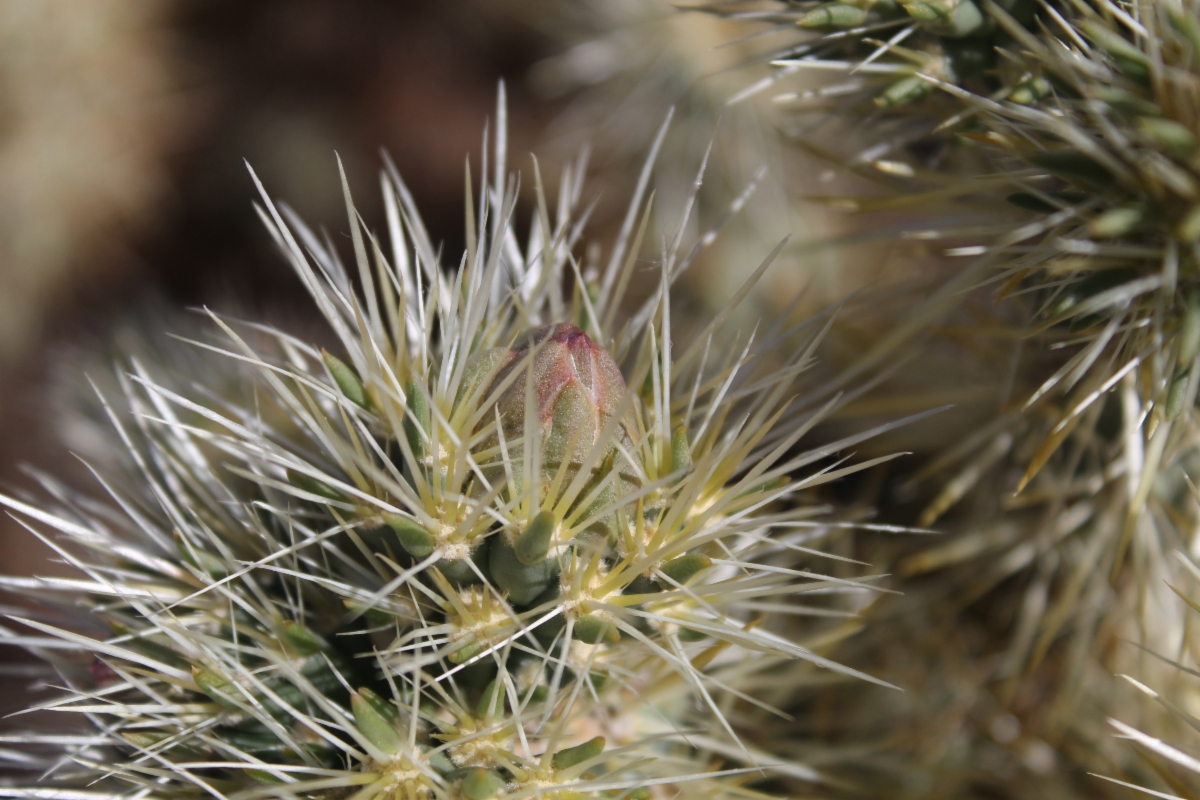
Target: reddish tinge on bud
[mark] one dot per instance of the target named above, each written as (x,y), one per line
(576,390)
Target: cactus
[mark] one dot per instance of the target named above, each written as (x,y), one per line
(496,546)
(1040,163)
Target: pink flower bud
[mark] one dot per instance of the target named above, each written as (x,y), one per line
(577,388)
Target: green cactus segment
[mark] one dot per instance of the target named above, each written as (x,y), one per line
(949,18)
(573,756)
(416,421)
(376,719)
(481,784)
(522,582)
(833,15)
(347,380)
(534,542)
(314,486)
(904,91)
(592,629)
(302,640)
(415,540)
(682,569)
(221,691)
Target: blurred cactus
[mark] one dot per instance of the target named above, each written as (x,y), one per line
(459,558)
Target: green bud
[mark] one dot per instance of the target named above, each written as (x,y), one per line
(592,629)
(347,380)
(951,18)
(492,700)
(1116,222)
(416,421)
(573,756)
(681,452)
(480,367)
(1030,91)
(1176,140)
(415,540)
(1072,165)
(1189,333)
(458,570)
(642,584)
(1175,395)
(1128,103)
(480,783)
(209,563)
(1189,227)
(221,691)
(682,569)
(833,15)
(902,92)
(262,776)
(439,762)
(691,635)
(376,719)
(465,653)
(522,582)
(534,542)
(314,486)
(1114,43)
(926,12)
(302,640)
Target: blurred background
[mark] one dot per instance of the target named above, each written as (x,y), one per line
(124,196)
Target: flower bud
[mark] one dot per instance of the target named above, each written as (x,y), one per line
(576,390)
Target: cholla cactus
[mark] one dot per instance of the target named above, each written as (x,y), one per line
(465,556)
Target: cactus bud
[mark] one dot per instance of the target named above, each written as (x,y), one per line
(347,380)
(683,568)
(221,691)
(903,92)
(376,718)
(833,15)
(415,540)
(592,629)
(681,452)
(523,582)
(572,756)
(577,388)
(1175,395)
(416,422)
(302,640)
(480,783)
(313,486)
(534,542)
(1116,222)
